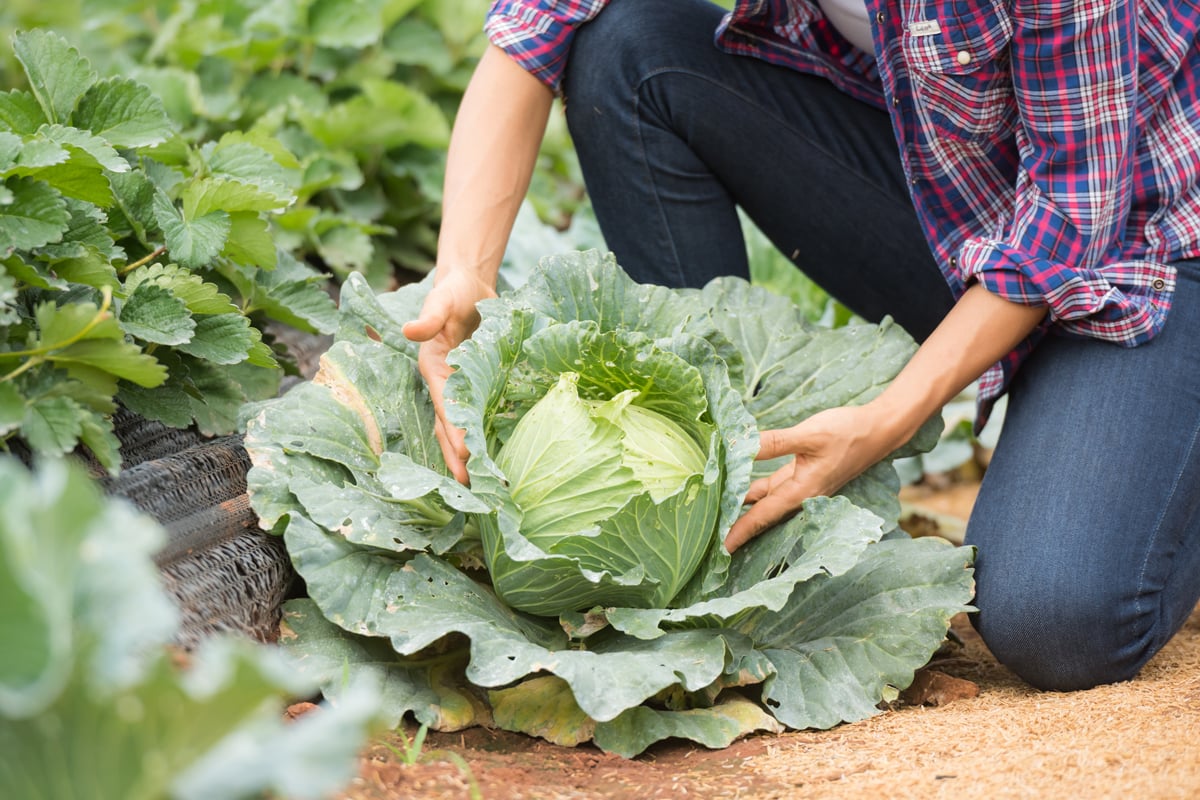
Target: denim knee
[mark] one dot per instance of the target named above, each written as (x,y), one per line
(1059,631)
(626,43)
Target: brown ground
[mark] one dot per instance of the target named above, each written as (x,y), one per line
(1139,739)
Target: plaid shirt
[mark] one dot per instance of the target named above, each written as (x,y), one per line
(1052,148)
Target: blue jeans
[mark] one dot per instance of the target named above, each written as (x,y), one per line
(1088,521)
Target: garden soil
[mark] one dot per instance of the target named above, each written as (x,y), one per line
(967,729)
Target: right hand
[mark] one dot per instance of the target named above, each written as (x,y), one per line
(447,318)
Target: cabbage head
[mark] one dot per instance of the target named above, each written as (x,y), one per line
(579,588)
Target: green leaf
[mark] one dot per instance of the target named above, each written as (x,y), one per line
(20,156)
(200,296)
(839,642)
(335,658)
(124,113)
(53,425)
(250,242)
(20,112)
(196,242)
(57,73)
(40,541)
(121,358)
(345,23)
(92,704)
(828,536)
(216,397)
(85,237)
(716,727)
(220,338)
(208,195)
(152,313)
(99,151)
(12,408)
(37,216)
(387,114)
(247,162)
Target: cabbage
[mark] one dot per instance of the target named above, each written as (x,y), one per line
(581,476)
(579,589)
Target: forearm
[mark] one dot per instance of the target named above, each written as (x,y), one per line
(980,330)
(493,150)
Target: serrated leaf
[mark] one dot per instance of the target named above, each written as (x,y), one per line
(22,156)
(20,112)
(247,162)
(86,235)
(52,425)
(152,313)
(59,326)
(250,242)
(217,397)
(133,195)
(125,360)
(36,216)
(220,338)
(101,153)
(98,436)
(192,242)
(124,113)
(200,296)
(208,195)
(294,294)
(58,74)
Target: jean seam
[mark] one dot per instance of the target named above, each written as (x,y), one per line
(1154,538)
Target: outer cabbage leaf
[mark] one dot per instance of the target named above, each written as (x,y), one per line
(841,640)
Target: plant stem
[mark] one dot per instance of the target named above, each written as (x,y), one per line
(141,262)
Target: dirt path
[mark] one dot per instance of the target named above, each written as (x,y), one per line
(1139,739)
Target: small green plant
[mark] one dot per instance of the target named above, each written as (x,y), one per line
(410,752)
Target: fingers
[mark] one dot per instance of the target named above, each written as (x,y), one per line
(428,325)
(774,443)
(454,449)
(770,510)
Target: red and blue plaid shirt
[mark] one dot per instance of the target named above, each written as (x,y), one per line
(1052,146)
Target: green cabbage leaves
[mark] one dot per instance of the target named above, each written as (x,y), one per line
(579,589)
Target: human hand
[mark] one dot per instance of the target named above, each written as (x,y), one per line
(447,318)
(831,448)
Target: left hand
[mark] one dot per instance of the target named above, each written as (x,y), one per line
(831,448)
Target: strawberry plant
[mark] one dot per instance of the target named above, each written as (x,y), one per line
(136,265)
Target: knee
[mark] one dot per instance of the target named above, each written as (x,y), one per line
(1058,631)
(617,50)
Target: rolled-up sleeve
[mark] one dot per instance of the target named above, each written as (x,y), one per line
(1075,76)
(537,33)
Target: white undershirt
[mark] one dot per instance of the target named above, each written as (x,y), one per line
(850,19)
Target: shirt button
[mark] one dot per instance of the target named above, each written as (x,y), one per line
(1158,284)
(895,101)
(963,57)
(879,17)
(953,262)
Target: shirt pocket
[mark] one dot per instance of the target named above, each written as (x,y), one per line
(960,67)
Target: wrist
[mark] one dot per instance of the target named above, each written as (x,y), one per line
(896,418)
